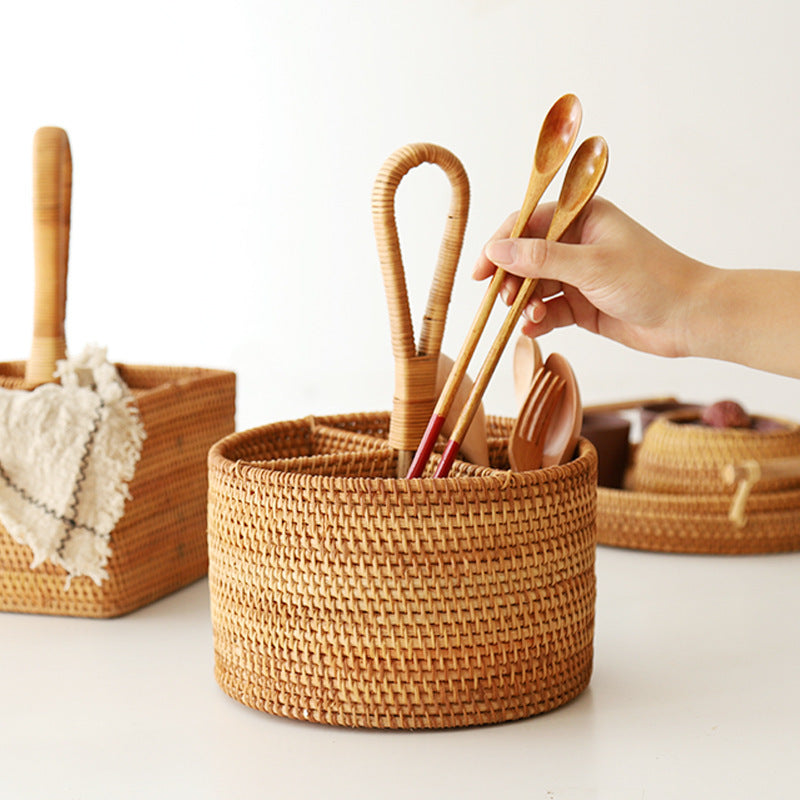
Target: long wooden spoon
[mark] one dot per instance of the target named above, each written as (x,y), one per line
(585,172)
(558,133)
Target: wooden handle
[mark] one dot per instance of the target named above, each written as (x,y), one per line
(768,470)
(416,366)
(746,474)
(627,405)
(52,191)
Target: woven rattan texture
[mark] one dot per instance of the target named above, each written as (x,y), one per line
(342,595)
(159,544)
(682,458)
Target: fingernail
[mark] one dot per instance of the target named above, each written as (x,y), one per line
(535,311)
(501,251)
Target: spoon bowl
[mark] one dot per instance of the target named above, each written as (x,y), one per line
(584,174)
(558,134)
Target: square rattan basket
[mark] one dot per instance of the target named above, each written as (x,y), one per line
(159,544)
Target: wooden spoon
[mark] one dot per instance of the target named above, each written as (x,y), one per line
(475,447)
(565,426)
(527,360)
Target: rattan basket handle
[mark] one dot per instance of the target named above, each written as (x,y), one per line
(52,191)
(416,366)
(747,474)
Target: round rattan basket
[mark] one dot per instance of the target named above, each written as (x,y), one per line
(343,595)
(678,455)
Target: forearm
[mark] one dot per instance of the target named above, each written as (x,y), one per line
(751,317)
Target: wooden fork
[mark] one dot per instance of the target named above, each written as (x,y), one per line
(527,439)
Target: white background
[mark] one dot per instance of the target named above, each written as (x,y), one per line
(224,155)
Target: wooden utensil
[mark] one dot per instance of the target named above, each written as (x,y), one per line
(583,177)
(627,405)
(52,191)
(745,475)
(558,133)
(527,361)
(565,426)
(527,439)
(475,447)
(416,366)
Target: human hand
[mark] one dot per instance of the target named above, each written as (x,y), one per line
(608,274)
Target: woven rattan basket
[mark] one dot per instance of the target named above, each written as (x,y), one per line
(677,455)
(343,594)
(340,594)
(159,544)
(692,489)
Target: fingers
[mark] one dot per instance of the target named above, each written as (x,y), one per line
(512,283)
(537,226)
(570,308)
(540,258)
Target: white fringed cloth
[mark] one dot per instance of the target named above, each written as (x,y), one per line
(67,454)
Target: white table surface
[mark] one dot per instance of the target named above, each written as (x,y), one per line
(695,694)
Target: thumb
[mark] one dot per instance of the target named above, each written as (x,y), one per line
(541,258)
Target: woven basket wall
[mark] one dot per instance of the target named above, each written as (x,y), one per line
(159,545)
(682,523)
(342,595)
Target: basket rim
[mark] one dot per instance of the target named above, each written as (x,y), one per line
(174,375)
(221,457)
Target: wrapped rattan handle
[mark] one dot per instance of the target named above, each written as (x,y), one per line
(52,190)
(416,366)
(747,474)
